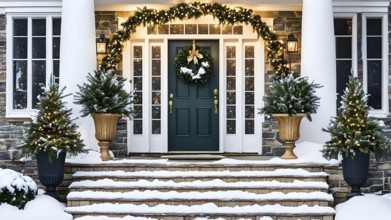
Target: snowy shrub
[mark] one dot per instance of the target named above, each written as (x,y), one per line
(16,189)
(291,95)
(104,92)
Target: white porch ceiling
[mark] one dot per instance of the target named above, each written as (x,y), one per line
(257,5)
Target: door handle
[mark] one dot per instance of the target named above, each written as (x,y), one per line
(216,101)
(170,102)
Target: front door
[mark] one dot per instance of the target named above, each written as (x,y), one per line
(193,121)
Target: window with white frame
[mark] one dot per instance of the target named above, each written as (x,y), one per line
(362,47)
(33,53)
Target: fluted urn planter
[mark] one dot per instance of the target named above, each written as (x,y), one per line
(355,171)
(105,129)
(51,173)
(289,132)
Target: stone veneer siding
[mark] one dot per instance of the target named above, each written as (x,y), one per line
(106,23)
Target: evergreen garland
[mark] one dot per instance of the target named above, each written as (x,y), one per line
(291,96)
(181,61)
(352,128)
(52,129)
(226,16)
(104,92)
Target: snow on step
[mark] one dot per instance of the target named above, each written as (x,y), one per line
(209,208)
(170,174)
(143,218)
(217,183)
(111,218)
(211,195)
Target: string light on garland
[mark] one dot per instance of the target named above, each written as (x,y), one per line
(225,15)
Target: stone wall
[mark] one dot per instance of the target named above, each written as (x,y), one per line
(106,23)
(284,23)
(2,67)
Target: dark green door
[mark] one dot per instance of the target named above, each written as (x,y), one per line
(193,123)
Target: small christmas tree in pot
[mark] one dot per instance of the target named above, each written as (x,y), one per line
(289,100)
(51,134)
(106,100)
(354,135)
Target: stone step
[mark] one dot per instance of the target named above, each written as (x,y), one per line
(182,212)
(259,187)
(282,175)
(222,165)
(224,189)
(220,198)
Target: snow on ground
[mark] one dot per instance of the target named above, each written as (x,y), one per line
(365,207)
(43,207)
(307,152)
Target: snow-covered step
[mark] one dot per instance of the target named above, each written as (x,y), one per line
(209,210)
(283,175)
(200,190)
(109,185)
(221,198)
(221,165)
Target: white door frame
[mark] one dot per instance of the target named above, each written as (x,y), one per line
(239,142)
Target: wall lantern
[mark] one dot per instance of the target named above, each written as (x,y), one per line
(291,43)
(101,44)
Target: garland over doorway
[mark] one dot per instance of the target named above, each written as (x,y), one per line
(225,15)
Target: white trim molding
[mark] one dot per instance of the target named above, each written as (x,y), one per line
(360,6)
(12,113)
(383,112)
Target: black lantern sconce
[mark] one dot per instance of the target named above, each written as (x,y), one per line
(291,43)
(101,44)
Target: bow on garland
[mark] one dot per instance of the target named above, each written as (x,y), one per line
(194,55)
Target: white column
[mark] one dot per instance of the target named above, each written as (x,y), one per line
(78,57)
(318,63)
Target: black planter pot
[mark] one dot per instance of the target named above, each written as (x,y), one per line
(355,172)
(51,174)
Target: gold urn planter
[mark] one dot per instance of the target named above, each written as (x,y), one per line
(105,129)
(289,132)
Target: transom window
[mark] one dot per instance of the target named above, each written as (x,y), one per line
(196,29)
(34,51)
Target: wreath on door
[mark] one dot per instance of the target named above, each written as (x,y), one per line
(193,65)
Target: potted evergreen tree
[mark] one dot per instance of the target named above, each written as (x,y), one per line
(51,134)
(289,100)
(354,135)
(104,97)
